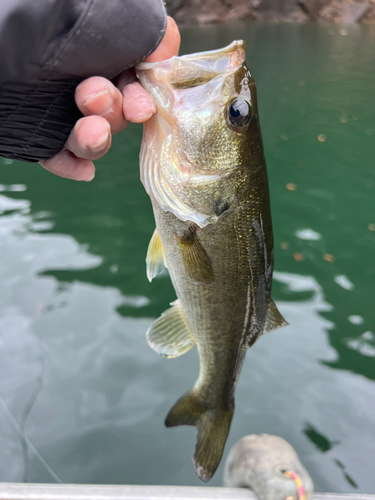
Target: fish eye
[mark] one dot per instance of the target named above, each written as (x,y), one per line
(239,112)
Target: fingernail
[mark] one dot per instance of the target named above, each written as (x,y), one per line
(100,103)
(100,144)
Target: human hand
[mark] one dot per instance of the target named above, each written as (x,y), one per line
(107,109)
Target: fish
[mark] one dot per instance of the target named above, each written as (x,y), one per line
(203,167)
(269,466)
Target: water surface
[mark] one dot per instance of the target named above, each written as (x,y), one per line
(77,378)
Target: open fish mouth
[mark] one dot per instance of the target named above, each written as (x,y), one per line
(218,60)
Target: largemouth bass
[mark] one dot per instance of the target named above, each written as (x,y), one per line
(203,166)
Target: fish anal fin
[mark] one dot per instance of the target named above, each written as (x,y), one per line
(274,319)
(155,257)
(213,428)
(169,335)
(194,257)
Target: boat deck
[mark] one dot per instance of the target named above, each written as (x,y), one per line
(29,491)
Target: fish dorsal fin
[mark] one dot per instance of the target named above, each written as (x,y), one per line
(155,257)
(274,319)
(195,259)
(169,335)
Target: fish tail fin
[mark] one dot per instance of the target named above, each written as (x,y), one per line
(213,428)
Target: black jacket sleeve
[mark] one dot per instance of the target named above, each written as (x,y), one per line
(47,47)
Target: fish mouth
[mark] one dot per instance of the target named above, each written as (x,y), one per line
(225,59)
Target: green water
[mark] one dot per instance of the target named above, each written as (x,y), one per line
(76,373)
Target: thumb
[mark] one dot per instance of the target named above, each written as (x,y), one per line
(170,44)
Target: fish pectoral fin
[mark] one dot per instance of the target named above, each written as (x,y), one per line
(155,261)
(195,259)
(213,428)
(169,335)
(274,319)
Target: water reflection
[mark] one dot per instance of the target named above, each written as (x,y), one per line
(364,344)
(344,282)
(306,395)
(320,441)
(62,348)
(80,380)
(308,234)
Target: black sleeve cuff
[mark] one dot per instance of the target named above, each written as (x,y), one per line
(37,108)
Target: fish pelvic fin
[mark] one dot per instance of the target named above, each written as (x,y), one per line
(169,335)
(195,259)
(273,319)
(213,428)
(155,257)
